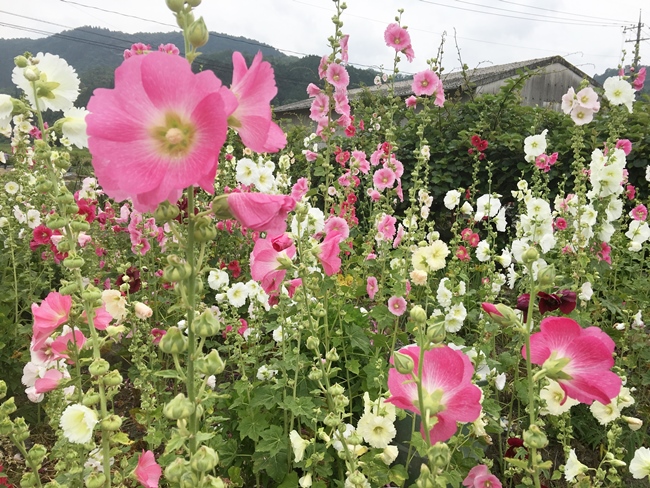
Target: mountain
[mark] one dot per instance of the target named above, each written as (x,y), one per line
(614,72)
(95,53)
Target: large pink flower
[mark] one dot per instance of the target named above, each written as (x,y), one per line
(425,83)
(148,471)
(328,253)
(397,37)
(480,477)
(578,359)
(50,314)
(448,389)
(260,211)
(254,88)
(266,261)
(158,131)
(50,381)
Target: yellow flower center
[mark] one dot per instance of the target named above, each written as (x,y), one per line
(174,137)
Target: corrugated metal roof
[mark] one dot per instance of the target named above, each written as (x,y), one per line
(452,81)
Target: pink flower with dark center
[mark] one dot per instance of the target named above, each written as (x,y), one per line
(383,178)
(640,212)
(260,211)
(560,223)
(425,83)
(268,261)
(411,102)
(137,49)
(372,287)
(338,76)
(148,471)
(397,37)
(157,334)
(466,233)
(158,131)
(254,88)
(474,239)
(42,235)
(343,44)
(480,477)
(449,394)
(49,315)
(397,305)
(386,227)
(579,359)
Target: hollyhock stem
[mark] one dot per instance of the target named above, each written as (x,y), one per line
(39,115)
(191,299)
(23,451)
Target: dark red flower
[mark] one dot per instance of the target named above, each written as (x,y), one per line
(514,444)
(565,300)
(134,281)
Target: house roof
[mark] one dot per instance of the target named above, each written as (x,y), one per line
(452,81)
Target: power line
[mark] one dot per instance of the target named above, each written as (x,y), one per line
(513,16)
(565,13)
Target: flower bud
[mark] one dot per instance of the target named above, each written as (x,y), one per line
(546,276)
(315,374)
(207,325)
(173,342)
(90,398)
(530,255)
(418,315)
(21,429)
(96,479)
(633,422)
(332,420)
(212,482)
(534,437)
(3,389)
(99,367)
(188,480)
(198,33)
(36,454)
(91,294)
(204,230)
(205,459)
(175,470)
(336,390)
(8,407)
(175,6)
(114,378)
(210,364)
(32,73)
(111,423)
(6,426)
(179,407)
(177,270)
(166,212)
(403,364)
(28,480)
(439,454)
(142,311)
(436,331)
(21,61)
(56,222)
(313,343)
(501,314)
(79,226)
(73,262)
(332,355)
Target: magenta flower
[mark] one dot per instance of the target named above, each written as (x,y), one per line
(261,212)
(397,305)
(372,287)
(640,212)
(449,393)
(254,88)
(639,81)
(338,76)
(480,477)
(425,83)
(397,37)
(267,258)
(578,359)
(411,102)
(158,131)
(49,315)
(148,471)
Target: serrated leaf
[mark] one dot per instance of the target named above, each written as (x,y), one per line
(273,439)
(300,406)
(251,425)
(121,438)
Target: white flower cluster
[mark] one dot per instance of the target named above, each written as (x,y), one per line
(238,293)
(449,298)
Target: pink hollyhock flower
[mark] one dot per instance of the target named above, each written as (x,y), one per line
(169,49)
(342,106)
(409,53)
(42,235)
(625,145)
(638,82)
(384,178)
(462,254)
(560,223)
(322,67)
(588,99)
(374,195)
(578,359)
(338,76)
(74,340)
(310,155)
(319,111)
(158,131)
(243,327)
(337,224)
(449,393)
(474,239)
(137,49)
(254,88)
(50,381)
(397,305)
(157,334)
(261,212)
(343,43)
(397,37)
(268,261)
(640,212)
(312,90)
(148,471)
(372,287)
(386,227)
(480,477)
(328,253)
(630,192)
(565,300)
(49,315)
(400,235)
(425,83)
(604,253)
(101,319)
(299,189)
(411,102)
(292,286)
(359,158)
(440,95)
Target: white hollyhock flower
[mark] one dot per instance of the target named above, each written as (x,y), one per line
(6,107)
(500,381)
(535,145)
(142,311)
(58,82)
(586,292)
(264,373)
(265,180)
(483,251)
(12,187)
(605,413)
(486,205)
(452,199)
(573,467)
(557,401)
(298,444)
(389,455)
(74,126)
(378,431)
(115,303)
(305,481)
(640,464)
(77,422)
(619,92)
(218,279)
(237,294)
(247,172)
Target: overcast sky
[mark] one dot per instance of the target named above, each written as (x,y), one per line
(588,33)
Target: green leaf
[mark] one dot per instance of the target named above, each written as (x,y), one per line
(273,439)
(358,338)
(353,366)
(289,481)
(121,438)
(264,396)
(168,373)
(251,425)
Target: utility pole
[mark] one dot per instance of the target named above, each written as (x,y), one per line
(637,42)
